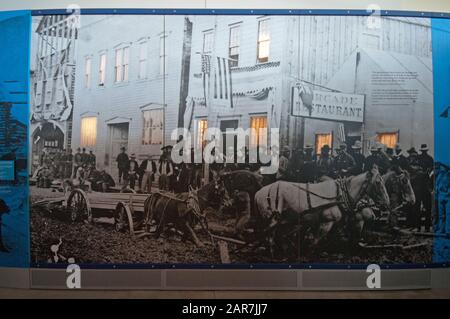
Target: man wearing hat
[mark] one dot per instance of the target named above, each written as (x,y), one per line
(418,182)
(309,169)
(325,162)
(283,164)
(426,163)
(398,159)
(122,164)
(377,157)
(77,161)
(358,157)
(425,160)
(296,163)
(92,160)
(133,171)
(165,169)
(343,162)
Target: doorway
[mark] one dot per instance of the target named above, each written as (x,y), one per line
(118,138)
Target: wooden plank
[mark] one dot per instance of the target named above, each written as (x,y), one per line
(223,250)
(231,240)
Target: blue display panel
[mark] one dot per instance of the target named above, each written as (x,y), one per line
(14,110)
(441,67)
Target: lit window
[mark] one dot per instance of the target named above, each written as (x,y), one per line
(322,140)
(258,126)
(142,60)
(233,50)
(388,139)
(102,70)
(87,73)
(202,126)
(263,41)
(153,128)
(208,40)
(121,66)
(163,55)
(88,131)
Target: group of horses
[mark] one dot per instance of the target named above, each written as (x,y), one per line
(283,207)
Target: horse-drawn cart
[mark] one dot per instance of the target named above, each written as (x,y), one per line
(127,208)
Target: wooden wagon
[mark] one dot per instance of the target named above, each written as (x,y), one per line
(124,209)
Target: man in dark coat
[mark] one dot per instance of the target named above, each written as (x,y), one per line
(398,159)
(426,163)
(343,162)
(165,169)
(308,173)
(102,181)
(359,159)
(133,171)
(4,209)
(325,162)
(419,185)
(77,162)
(122,164)
(92,160)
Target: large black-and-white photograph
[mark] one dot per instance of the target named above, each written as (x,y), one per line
(232,139)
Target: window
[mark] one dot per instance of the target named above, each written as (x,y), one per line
(153,128)
(102,70)
(122,61)
(142,60)
(88,131)
(233,47)
(202,126)
(258,126)
(87,73)
(263,41)
(163,55)
(208,39)
(389,139)
(323,139)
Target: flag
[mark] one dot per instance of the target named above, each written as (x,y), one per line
(217,81)
(341,133)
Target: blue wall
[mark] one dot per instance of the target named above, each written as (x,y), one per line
(14,87)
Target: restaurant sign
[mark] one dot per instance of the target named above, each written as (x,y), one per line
(327,105)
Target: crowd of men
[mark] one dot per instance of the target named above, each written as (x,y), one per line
(301,165)
(306,167)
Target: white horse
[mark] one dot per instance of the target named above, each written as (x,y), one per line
(327,201)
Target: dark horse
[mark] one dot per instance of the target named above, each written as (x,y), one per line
(4,209)
(183,210)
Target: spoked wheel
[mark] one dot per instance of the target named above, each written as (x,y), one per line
(123,219)
(78,206)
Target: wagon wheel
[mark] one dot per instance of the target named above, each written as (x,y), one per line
(123,219)
(78,205)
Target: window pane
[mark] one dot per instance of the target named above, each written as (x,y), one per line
(88,131)
(118,76)
(388,139)
(263,41)
(87,72)
(153,128)
(234,46)
(207,42)
(102,69)
(258,126)
(202,126)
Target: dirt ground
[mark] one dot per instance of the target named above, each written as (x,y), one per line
(101,243)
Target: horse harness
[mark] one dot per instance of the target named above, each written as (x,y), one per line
(342,198)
